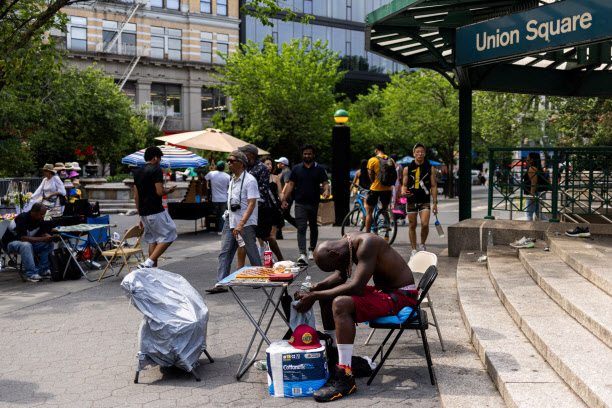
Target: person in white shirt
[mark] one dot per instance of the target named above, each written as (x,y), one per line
(50,189)
(219,183)
(243,194)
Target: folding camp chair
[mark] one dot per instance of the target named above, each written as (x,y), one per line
(419,263)
(417,320)
(124,253)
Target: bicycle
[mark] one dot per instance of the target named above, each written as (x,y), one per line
(385,227)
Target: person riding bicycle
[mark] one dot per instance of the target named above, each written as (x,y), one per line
(418,187)
(383,176)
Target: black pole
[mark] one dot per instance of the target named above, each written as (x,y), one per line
(465,153)
(341,169)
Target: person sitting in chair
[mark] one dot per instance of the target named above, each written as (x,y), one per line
(27,234)
(344,303)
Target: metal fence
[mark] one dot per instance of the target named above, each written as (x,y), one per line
(577,186)
(32,183)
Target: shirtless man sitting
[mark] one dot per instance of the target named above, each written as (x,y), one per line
(344,303)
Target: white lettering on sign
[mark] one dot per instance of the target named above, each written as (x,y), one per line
(536,30)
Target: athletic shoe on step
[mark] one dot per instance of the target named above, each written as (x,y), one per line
(524,243)
(302,260)
(311,255)
(579,232)
(35,278)
(143,265)
(414,251)
(422,247)
(341,385)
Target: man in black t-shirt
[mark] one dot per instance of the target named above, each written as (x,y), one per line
(28,234)
(160,230)
(285,177)
(305,180)
(418,187)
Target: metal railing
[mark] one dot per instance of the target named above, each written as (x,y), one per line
(31,183)
(575,183)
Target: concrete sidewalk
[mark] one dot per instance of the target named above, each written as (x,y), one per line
(74,344)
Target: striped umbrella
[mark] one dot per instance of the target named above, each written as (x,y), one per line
(173,158)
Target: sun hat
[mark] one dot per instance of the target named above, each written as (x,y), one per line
(240,156)
(59,166)
(250,148)
(283,160)
(73,174)
(304,338)
(190,173)
(49,167)
(68,166)
(75,166)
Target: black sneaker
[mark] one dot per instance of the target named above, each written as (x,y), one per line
(579,232)
(341,385)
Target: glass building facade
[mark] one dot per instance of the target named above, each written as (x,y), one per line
(339,22)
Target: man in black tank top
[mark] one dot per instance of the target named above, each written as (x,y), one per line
(419,185)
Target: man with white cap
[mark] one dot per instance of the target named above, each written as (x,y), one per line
(284,176)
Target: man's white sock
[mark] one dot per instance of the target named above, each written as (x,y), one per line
(345,354)
(148,263)
(332,334)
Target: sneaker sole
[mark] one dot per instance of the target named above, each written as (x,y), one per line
(335,397)
(581,235)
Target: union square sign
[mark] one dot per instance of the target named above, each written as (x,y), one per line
(558,25)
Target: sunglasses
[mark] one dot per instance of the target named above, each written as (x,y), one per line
(230,161)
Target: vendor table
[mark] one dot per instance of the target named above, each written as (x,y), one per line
(77,231)
(190,211)
(269,288)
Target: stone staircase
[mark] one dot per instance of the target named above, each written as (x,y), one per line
(541,321)
(127,207)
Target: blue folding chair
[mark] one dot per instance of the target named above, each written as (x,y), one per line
(87,250)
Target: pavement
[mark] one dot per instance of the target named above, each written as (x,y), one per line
(74,343)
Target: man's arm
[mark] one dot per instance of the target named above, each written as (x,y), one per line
(161,191)
(136,200)
(326,189)
(246,216)
(405,179)
(337,278)
(287,192)
(434,190)
(372,175)
(47,238)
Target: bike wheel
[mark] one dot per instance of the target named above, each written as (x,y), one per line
(384,228)
(354,221)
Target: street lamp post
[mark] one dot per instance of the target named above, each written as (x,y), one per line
(341,165)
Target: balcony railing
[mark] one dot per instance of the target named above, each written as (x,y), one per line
(578,183)
(124,49)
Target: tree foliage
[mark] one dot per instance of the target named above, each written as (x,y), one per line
(284,94)
(50,117)
(582,121)
(266,10)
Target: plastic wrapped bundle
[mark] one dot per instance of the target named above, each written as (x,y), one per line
(173,329)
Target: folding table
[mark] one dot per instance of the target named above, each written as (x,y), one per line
(78,230)
(269,288)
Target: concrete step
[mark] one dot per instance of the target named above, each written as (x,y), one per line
(126,211)
(522,376)
(577,355)
(589,257)
(589,305)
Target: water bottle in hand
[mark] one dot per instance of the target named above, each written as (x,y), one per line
(239,240)
(439,228)
(306,285)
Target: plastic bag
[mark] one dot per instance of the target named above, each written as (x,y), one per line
(295,319)
(173,329)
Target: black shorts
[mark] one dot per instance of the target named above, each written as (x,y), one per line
(265,222)
(374,196)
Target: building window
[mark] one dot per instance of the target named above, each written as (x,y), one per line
(212,100)
(308,6)
(129,89)
(206,52)
(205,6)
(166,99)
(175,45)
(168,4)
(77,34)
(222,7)
(126,44)
(221,49)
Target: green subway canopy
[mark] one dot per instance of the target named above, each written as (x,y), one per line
(542,47)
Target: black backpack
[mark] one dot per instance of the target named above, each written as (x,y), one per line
(58,259)
(387,175)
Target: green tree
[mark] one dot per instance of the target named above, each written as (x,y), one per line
(582,121)
(285,94)
(266,10)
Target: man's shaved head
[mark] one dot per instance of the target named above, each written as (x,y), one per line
(332,255)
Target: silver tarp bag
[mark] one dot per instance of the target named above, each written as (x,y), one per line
(173,329)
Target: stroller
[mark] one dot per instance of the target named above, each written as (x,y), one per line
(173,329)
(399,211)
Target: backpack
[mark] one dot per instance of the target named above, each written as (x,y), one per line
(387,175)
(58,259)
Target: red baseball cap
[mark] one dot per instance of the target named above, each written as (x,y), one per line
(305,337)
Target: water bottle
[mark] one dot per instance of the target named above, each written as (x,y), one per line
(268,261)
(490,239)
(239,240)
(261,365)
(439,228)
(306,285)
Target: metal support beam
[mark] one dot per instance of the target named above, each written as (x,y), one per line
(341,168)
(465,153)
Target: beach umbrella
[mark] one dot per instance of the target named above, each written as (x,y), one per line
(173,158)
(211,139)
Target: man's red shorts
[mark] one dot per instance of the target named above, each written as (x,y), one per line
(372,304)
